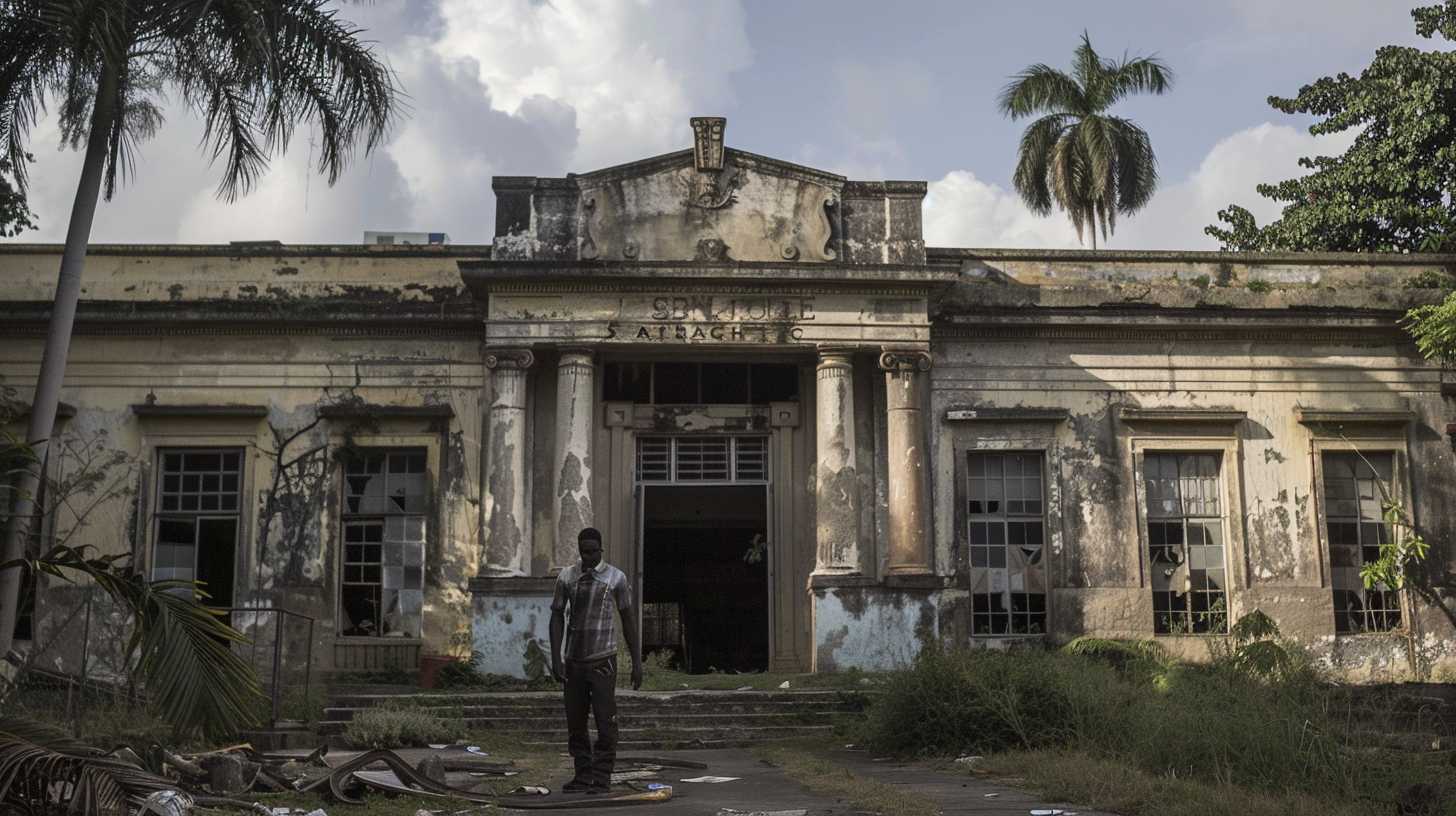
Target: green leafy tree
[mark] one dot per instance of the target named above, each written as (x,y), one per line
(1391,191)
(15,215)
(1091,164)
(251,69)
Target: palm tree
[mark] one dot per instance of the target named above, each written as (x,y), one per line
(252,69)
(1091,164)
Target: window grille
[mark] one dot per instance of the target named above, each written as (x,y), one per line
(1006,532)
(1356,486)
(386,498)
(1185,543)
(702,459)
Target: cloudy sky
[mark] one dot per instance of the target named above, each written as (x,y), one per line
(867,88)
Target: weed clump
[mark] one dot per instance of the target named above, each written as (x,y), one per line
(396,726)
(1257,716)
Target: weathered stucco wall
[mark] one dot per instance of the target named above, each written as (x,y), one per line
(365,350)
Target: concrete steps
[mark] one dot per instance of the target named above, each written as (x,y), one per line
(648,720)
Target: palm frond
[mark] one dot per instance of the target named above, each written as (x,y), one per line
(42,769)
(1041,89)
(193,676)
(1069,182)
(1136,165)
(1138,75)
(1037,144)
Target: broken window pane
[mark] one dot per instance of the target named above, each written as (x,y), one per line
(386,499)
(1005,537)
(1185,543)
(1355,487)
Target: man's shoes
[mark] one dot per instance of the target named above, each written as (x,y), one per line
(576,786)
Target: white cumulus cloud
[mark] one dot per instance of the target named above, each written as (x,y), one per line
(961,210)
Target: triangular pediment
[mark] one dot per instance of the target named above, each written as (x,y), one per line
(710,204)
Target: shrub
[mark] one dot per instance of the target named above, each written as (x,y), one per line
(1222,723)
(395,726)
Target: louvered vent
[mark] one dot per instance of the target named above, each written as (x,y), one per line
(702,459)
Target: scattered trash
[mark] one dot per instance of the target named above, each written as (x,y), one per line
(992,795)
(1051,812)
(733,812)
(744,688)
(970,762)
(712,780)
(629,776)
(437,746)
(167,803)
(531,790)
(475,749)
(784,684)
(851,747)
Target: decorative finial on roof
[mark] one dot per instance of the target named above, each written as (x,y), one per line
(708,142)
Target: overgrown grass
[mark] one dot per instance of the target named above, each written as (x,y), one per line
(395,726)
(1120,788)
(1211,725)
(827,778)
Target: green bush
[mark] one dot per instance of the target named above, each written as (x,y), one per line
(1214,723)
(396,726)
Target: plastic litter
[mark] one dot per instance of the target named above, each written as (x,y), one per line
(168,803)
(1048,812)
(713,780)
(531,790)
(784,684)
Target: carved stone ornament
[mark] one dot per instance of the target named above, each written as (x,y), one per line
(631,249)
(589,251)
(712,249)
(905,360)
(714,192)
(708,142)
(510,358)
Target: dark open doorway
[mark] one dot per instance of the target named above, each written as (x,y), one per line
(705,576)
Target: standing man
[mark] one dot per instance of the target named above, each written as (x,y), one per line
(594,592)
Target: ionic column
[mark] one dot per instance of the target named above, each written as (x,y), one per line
(836,485)
(907,477)
(572,504)
(507,549)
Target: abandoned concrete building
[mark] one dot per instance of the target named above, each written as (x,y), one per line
(812,442)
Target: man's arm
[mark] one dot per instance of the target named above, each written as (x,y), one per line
(558,626)
(629,631)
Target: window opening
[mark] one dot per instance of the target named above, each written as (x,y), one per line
(702,459)
(1355,489)
(1006,532)
(386,499)
(197,521)
(1185,543)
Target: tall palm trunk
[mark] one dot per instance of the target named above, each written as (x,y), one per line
(58,345)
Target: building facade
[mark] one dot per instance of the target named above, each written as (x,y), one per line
(811,442)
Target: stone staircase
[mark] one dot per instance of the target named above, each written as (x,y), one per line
(647,720)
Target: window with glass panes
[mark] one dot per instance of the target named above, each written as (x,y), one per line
(386,496)
(1006,534)
(1356,486)
(1185,542)
(198,499)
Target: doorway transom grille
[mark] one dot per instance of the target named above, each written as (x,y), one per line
(702,460)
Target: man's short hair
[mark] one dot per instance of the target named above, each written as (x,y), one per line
(588,534)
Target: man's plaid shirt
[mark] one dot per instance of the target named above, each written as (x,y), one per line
(591,630)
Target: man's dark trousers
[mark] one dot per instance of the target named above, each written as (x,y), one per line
(592,684)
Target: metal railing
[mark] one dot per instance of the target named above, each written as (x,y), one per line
(283,640)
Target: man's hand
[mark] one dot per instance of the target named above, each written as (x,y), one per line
(556,672)
(636,675)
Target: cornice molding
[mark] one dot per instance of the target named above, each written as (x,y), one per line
(1220,416)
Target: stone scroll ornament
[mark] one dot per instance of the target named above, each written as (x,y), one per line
(905,360)
(510,358)
(589,251)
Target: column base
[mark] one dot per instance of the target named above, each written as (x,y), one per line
(507,615)
(871,626)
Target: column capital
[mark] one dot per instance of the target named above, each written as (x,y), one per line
(509,358)
(904,360)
